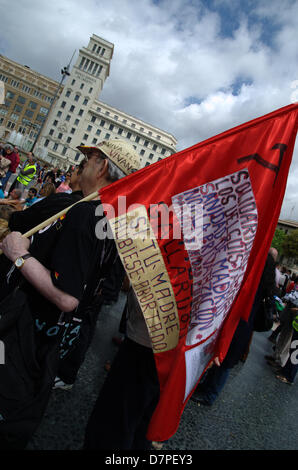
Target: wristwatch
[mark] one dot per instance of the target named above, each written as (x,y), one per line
(21,260)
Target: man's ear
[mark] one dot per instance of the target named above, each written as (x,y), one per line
(104,168)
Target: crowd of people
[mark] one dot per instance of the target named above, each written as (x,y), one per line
(33,181)
(55,284)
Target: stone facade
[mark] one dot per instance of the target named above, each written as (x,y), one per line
(75,116)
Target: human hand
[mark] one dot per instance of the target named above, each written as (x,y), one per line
(14,245)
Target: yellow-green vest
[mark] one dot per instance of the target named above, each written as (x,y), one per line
(25,179)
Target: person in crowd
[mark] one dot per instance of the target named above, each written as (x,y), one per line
(69,366)
(216,377)
(130,393)
(26,174)
(46,190)
(64,186)
(292,282)
(32,193)
(63,267)
(14,158)
(14,200)
(282,347)
(288,372)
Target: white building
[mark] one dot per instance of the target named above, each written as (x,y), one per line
(79,118)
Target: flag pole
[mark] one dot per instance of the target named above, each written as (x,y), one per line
(52,219)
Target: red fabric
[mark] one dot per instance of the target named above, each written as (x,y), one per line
(241,177)
(15,160)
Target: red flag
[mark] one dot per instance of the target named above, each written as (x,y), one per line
(195,247)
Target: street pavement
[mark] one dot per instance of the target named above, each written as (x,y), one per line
(253,412)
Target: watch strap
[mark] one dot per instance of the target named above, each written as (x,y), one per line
(26,256)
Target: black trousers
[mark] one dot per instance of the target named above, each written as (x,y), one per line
(126,402)
(70,364)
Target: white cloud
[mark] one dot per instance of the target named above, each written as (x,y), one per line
(169,54)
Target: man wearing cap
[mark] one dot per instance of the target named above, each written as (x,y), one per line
(14,158)
(64,264)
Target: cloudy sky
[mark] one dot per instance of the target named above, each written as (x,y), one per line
(194,68)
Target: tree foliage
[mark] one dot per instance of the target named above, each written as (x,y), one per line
(290,245)
(278,239)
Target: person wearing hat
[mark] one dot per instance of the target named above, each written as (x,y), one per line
(62,267)
(14,158)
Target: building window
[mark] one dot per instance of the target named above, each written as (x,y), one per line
(72,130)
(67,117)
(150,133)
(116,117)
(146,143)
(55,146)
(133,125)
(10,95)
(55,123)
(63,104)
(68,140)
(154,147)
(81,112)
(111,127)
(158,137)
(46,142)
(67,93)
(94,141)
(60,135)
(59,114)
(29,113)
(10,125)
(78,154)
(76,98)
(40,118)
(81,86)
(128,135)
(85,137)
(77,122)
(73,82)
(72,108)
(142,152)
(124,121)
(151,156)
(93,119)
(17,108)
(163,151)
(102,123)
(89,128)
(64,150)
(98,132)
(85,101)
(43,110)
(107,136)
(21,99)
(51,132)
(142,129)
(137,139)
(91,89)
(14,117)
(120,131)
